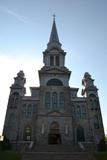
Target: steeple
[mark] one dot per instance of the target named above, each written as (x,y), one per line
(54,62)
(54,39)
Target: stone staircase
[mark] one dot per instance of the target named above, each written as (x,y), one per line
(56,152)
(57,156)
(55,148)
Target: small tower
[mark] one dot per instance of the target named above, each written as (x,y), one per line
(93,106)
(88,83)
(11,127)
(18,85)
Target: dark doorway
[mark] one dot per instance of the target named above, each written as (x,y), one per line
(80,134)
(54,139)
(54,136)
(27,133)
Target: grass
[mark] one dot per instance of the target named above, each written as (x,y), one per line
(9,155)
(101,156)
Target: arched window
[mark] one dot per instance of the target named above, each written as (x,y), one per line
(54,136)
(92,95)
(94,102)
(96,122)
(47,100)
(80,134)
(61,100)
(54,127)
(27,133)
(14,100)
(51,60)
(12,121)
(54,60)
(57,60)
(83,108)
(54,100)
(29,111)
(73,111)
(15,94)
(78,112)
(91,103)
(24,110)
(54,82)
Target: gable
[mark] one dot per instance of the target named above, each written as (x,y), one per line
(54,113)
(55,70)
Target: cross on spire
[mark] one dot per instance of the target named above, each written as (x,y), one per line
(54,39)
(54,16)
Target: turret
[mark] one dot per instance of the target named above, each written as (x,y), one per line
(93,105)
(18,86)
(89,87)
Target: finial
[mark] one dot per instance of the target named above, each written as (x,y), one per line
(54,17)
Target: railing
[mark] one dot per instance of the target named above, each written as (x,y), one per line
(87,146)
(81,146)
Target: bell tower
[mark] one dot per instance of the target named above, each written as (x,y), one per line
(90,91)
(54,61)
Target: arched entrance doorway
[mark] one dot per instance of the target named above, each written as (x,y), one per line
(27,133)
(54,136)
(80,134)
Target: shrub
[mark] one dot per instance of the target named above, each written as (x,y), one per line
(5,144)
(102,145)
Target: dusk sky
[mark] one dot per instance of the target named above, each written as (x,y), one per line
(25,27)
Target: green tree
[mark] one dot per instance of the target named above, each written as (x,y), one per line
(102,145)
(5,144)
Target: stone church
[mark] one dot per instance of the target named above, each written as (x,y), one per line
(53,113)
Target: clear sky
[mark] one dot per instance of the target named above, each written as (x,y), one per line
(25,27)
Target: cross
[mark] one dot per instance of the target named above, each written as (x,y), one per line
(54,17)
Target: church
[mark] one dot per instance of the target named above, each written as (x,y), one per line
(53,113)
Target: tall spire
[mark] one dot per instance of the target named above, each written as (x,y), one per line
(54,39)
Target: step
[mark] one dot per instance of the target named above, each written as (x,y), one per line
(57,156)
(53,148)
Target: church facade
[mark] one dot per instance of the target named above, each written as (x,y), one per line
(53,114)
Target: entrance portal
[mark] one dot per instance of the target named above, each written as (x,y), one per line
(54,136)
(54,139)
(80,134)
(27,133)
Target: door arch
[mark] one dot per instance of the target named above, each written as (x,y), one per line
(54,136)
(80,134)
(27,133)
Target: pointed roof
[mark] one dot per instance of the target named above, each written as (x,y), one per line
(54,34)
(54,39)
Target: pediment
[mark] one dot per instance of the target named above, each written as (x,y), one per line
(61,70)
(54,113)
(55,71)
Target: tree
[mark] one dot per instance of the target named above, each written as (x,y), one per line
(5,144)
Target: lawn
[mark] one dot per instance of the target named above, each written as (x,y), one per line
(101,156)
(9,155)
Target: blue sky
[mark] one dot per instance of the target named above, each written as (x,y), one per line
(25,27)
